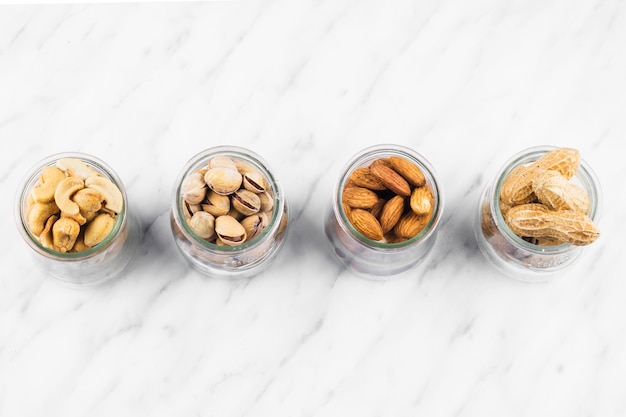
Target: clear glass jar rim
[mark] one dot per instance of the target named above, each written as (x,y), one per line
(249,156)
(388,149)
(529,155)
(29,179)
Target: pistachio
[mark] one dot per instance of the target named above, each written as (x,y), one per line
(64,234)
(254,225)
(191,209)
(223,180)
(98,229)
(230,231)
(110,193)
(244,166)
(50,177)
(193,189)
(216,204)
(202,224)
(235,214)
(267,201)
(221,161)
(254,181)
(64,192)
(246,202)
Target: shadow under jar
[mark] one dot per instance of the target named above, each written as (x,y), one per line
(265,227)
(381,259)
(80,265)
(509,253)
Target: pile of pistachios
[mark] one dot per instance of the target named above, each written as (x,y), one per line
(227,202)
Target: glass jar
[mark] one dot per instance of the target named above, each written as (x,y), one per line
(509,253)
(373,258)
(92,266)
(243,260)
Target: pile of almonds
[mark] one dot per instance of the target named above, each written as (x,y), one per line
(388,200)
(72,207)
(542,206)
(228,202)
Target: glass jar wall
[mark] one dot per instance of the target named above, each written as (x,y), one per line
(212,250)
(386,257)
(511,254)
(73,262)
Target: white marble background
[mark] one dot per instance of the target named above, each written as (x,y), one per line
(307,84)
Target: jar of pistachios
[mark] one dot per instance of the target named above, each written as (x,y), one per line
(228,212)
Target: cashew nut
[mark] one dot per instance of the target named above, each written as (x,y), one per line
(64,192)
(111,195)
(50,177)
(78,218)
(80,246)
(39,214)
(76,167)
(64,234)
(98,229)
(89,202)
(45,238)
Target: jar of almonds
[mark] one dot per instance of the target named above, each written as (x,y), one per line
(538,214)
(384,212)
(72,210)
(229,212)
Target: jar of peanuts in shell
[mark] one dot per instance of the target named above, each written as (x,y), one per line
(384,212)
(538,214)
(72,210)
(229,212)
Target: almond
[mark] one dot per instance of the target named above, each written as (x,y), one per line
(382,161)
(410,225)
(347,209)
(366,224)
(391,238)
(363,177)
(391,179)
(359,197)
(377,209)
(392,211)
(422,201)
(408,170)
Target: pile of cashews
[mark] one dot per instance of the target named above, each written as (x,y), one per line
(72,207)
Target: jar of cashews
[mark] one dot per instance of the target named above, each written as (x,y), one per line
(72,211)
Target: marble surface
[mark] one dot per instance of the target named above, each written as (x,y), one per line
(307,84)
